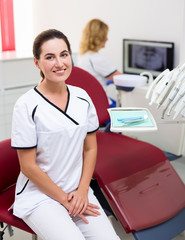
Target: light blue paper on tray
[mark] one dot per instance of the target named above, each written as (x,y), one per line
(131,119)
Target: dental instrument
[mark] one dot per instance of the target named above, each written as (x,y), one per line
(174,92)
(168,89)
(175,102)
(178,72)
(160,87)
(179,108)
(157,79)
(133,119)
(163,93)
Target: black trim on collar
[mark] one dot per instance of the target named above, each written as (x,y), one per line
(64,112)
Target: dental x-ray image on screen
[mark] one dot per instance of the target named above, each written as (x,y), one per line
(148,57)
(142,55)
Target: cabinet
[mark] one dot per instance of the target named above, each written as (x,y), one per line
(17,75)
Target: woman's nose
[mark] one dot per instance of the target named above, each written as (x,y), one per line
(58,62)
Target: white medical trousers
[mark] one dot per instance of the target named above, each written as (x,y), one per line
(52,222)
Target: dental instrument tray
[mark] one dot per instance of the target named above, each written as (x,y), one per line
(131,120)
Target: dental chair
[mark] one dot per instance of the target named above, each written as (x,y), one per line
(139,183)
(141,187)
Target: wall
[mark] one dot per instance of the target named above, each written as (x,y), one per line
(143,19)
(23,25)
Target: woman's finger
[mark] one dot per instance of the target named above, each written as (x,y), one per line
(93,206)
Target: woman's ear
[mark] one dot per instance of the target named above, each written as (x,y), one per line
(36,62)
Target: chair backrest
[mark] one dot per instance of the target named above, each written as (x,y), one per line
(9,165)
(89,83)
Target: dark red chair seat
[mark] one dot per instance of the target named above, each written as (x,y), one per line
(147,198)
(140,184)
(6,216)
(9,170)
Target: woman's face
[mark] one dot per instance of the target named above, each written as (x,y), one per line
(55,60)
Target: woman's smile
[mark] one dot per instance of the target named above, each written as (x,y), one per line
(55,60)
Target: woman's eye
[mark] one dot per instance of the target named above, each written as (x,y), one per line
(64,55)
(49,57)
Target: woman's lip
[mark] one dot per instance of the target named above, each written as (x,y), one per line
(59,71)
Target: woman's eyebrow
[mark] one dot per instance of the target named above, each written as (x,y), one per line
(49,54)
(64,51)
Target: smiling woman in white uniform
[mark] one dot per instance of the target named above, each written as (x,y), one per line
(54,132)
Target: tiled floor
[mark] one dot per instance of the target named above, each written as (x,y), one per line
(179,166)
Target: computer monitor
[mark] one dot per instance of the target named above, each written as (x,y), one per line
(143,55)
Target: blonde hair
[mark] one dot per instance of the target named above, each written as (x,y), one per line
(93,35)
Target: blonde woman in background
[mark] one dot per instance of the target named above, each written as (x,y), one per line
(94,37)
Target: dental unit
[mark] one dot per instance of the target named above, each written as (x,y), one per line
(166,91)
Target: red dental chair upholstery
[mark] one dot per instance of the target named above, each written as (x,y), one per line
(139,183)
(9,171)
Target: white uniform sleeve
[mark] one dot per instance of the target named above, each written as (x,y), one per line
(93,122)
(102,65)
(23,127)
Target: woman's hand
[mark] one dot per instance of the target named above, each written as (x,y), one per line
(74,200)
(91,210)
(79,202)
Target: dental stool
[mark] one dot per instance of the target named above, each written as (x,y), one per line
(9,171)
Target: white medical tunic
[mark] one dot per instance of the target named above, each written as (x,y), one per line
(58,136)
(97,65)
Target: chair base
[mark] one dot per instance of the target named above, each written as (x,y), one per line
(164,231)
(34,237)
(11,232)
